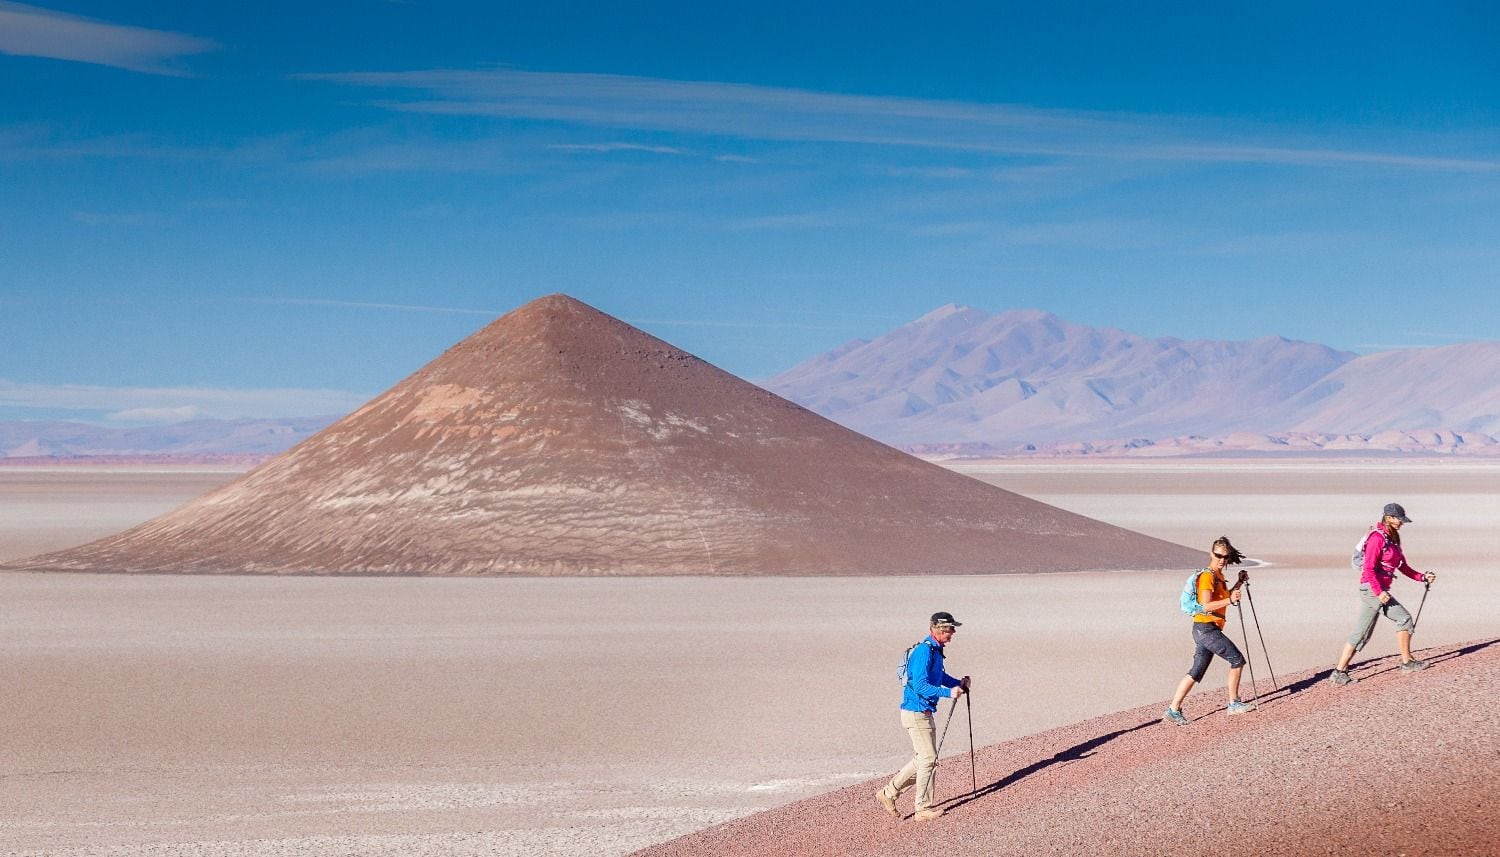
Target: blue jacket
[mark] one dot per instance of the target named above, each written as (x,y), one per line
(926,682)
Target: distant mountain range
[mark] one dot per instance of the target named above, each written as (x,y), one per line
(962,379)
(198,439)
(962,382)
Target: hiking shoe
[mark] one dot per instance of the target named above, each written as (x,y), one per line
(1174,716)
(1342,677)
(890,805)
(1414,665)
(1237,707)
(929,814)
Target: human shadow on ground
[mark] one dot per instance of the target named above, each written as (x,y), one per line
(1071,754)
(1367,670)
(1395,665)
(1079,751)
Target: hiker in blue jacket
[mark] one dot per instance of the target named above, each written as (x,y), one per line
(924,684)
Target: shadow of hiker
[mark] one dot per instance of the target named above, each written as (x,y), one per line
(1293,688)
(1464,650)
(1071,754)
(1395,665)
(1079,751)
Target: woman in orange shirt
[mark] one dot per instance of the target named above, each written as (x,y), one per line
(1215,595)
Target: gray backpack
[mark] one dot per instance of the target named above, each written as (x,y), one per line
(1357,559)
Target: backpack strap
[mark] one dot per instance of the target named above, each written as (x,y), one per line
(906,662)
(1198,580)
(1385,540)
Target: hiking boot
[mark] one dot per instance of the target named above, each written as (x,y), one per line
(1174,716)
(929,814)
(890,805)
(1414,665)
(1342,677)
(1237,707)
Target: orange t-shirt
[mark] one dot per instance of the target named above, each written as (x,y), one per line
(1212,587)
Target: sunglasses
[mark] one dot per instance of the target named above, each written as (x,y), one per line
(1221,555)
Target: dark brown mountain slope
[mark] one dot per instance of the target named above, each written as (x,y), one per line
(560,440)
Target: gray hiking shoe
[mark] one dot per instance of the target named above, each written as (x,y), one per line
(1237,707)
(1174,716)
(1342,677)
(1414,665)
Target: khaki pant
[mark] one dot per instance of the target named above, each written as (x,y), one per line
(923,732)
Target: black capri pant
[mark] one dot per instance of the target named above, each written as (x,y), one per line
(1211,641)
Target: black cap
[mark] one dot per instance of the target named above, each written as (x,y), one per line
(943,617)
(1394,510)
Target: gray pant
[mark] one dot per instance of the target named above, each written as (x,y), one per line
(1209,641)
(1370,610)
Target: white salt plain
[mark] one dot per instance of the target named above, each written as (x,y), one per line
(239,715)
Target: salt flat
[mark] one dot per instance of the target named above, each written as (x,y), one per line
(191,715)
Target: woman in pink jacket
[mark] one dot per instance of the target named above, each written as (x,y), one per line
(1383,558)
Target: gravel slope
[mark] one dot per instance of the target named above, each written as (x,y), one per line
(1398,763)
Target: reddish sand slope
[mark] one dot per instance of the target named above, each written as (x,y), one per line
(559,440)
(1396,764)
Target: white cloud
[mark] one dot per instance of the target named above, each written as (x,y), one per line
(497,313)
(95,218)
(178,414)
(30,31)
(618,147)
(770,113)
(370,305)
(169,404)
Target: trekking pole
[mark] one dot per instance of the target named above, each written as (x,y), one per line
(1426,585)
(1254,688)
(951,708)
(1275,685)
(973,771)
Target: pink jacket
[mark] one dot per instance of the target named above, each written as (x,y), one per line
(1383,558)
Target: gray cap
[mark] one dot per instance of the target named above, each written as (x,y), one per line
(1394,510)
(943,617)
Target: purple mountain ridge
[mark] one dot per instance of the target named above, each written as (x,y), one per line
(59,439)
(961,381)
(961,376)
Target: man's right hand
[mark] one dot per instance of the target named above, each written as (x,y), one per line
(958,691)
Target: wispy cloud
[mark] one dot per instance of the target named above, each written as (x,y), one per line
(95,218)
(770,113)
(748,325)
(169,404)
(795,220)
(641,322)
(1118,234)
(34,32)
(321,302)
(618,147)
(181,413)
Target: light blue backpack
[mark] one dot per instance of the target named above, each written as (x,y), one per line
(901,674)
(1189,600)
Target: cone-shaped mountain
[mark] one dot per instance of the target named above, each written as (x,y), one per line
(560,440)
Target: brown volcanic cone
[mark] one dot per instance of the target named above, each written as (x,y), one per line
(559,440)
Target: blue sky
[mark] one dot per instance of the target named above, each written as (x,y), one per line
(213,209)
